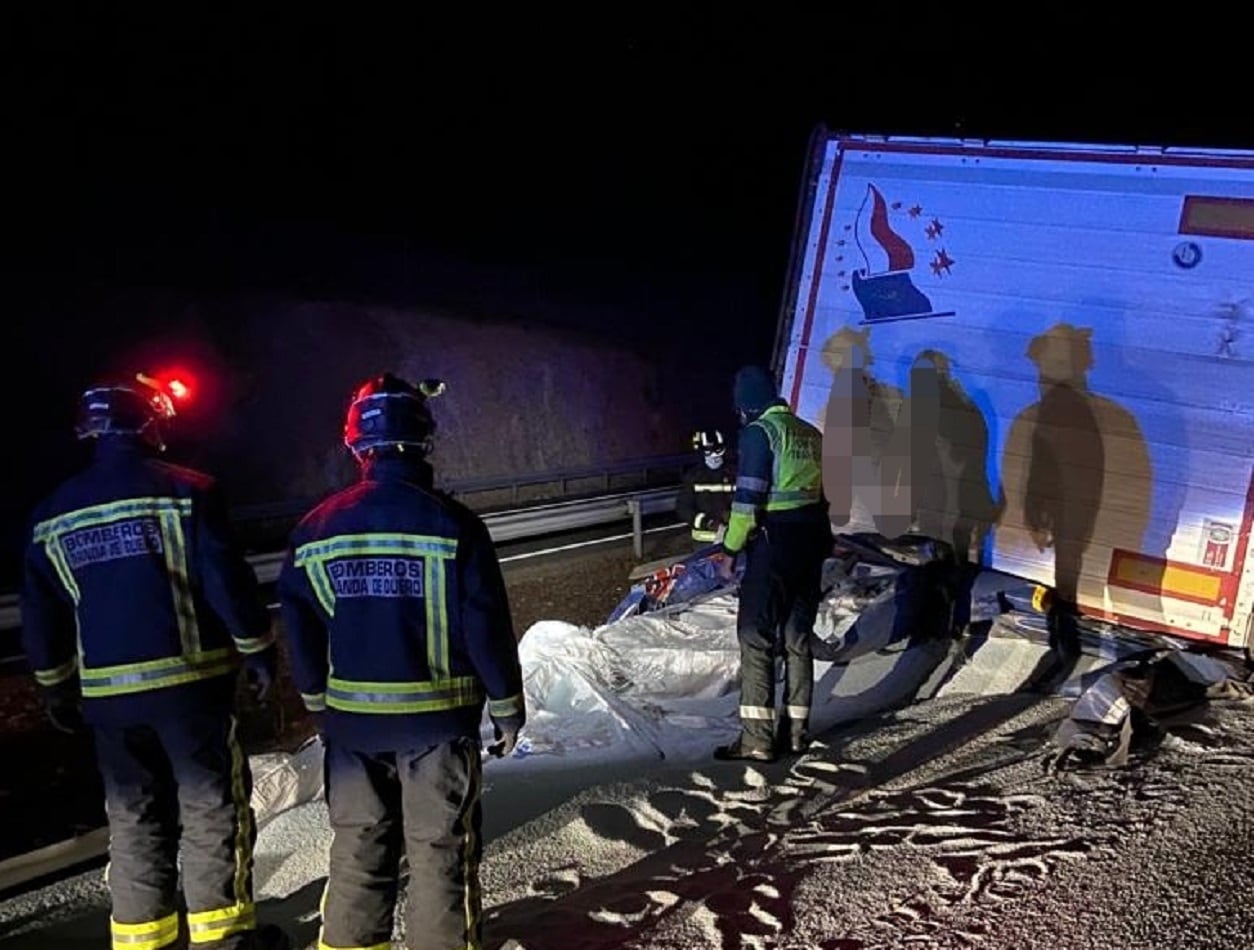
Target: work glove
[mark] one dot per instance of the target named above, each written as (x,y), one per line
(65,707)
(506,729)
(260,670)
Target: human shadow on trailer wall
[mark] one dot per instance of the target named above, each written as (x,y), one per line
(940,458)
(858,422)
(1075,470)
(906,462)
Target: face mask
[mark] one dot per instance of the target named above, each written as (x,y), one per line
(714,461)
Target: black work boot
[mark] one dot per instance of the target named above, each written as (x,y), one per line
(744,748)
(798,738)
(792,736)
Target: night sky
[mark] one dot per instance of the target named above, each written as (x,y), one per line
(617,156)
(295,152)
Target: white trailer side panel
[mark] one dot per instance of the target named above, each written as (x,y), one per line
(1043,354)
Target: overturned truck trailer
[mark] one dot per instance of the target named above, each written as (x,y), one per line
(1042,354)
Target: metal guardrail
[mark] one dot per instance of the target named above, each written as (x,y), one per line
(530,522)
(460,487)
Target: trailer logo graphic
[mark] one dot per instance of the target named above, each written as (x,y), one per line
(884,287)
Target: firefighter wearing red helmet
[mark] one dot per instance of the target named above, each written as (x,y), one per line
(136,611)
(400,635)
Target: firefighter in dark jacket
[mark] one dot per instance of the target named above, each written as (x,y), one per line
(136,604)
(400,633)
(779,520)
(705,490)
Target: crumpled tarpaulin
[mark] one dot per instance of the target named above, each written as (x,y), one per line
(661,678)
(283,780)
(1143,695)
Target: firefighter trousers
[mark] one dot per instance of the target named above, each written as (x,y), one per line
(179,784)
(779,598)
(422,803)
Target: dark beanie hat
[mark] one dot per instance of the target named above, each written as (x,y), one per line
(754,389)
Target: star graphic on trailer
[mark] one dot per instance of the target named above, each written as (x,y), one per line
(915,211)
(941,263)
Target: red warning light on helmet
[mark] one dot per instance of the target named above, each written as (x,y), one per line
(168,388)
(178,385)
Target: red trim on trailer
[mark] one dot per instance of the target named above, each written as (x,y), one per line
(1086,154)
(812,300)
(1137,623)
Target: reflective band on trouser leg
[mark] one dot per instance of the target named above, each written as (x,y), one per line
(206,926)
(758,712)
(218,833)
(152,935)
(472,853)
(757,695)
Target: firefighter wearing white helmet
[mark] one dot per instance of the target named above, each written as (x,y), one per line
(400,636)
(705,490)
(136,611)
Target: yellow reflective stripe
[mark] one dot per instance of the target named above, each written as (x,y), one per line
(155,674)
(386,945)
(703,535)
(314,702)
(58,674)
(320,581)
(393,698)
(470,866)
(248,645)
(243,823)
(720,488)
(52,547)
(344,545)
(509,706)
(208,926)
(437,618)
(180,584)
(150,935)
(113,511)
(315,556)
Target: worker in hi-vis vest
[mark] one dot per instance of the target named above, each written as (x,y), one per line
(779,520)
